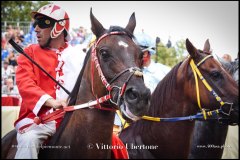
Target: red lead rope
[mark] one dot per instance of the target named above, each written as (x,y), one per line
(60,113)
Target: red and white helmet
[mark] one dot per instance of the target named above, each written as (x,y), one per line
(55,12)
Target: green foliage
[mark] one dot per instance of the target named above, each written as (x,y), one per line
(19,10)
(169,56)
(181,47)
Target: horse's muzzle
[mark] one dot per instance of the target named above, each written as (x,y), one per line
(138,100)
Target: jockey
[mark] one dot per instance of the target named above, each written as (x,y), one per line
(40,94)
(153,72)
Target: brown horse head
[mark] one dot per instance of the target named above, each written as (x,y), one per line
(219,80)
(119,60)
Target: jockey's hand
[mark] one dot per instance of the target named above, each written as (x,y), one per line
(56,104)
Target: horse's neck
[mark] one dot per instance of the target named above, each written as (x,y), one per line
(176,105)
(88,126)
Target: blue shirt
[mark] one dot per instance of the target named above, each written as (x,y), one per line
(154,73)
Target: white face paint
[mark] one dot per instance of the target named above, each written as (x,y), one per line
(121,43)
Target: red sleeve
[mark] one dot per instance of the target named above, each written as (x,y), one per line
(33,96)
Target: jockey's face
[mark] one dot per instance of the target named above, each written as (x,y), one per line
(146,58)
(43,27)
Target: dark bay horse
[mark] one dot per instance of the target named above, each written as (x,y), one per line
(212,133)
(176,98)
(111,68)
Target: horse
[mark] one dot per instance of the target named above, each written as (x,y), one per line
(212,133)
(111,68)
(176,100)
(231,67)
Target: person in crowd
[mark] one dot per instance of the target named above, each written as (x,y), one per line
(6,71)
(227,57)
(10,88)
(81,34)
(40,94)
(11,58)
(10,32)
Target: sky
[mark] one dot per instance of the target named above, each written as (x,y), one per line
(217,21)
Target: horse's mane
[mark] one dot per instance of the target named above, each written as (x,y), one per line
(72,100)
(163,92)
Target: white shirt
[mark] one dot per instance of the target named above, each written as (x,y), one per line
(73,58)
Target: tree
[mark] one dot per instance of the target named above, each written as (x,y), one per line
(181,48)
(19,10)
(168,55)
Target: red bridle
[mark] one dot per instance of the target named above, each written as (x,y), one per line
(133,71)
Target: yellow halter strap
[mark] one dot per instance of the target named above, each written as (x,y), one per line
(197,72)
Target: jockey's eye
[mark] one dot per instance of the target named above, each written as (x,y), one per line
(216,75)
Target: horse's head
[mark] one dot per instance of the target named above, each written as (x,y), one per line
(117,59)
(216,88)
(230,67)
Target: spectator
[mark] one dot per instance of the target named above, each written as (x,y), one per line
(81,35)
(4,50)
(11,59)
(227,57)
(32,33)
(6,71)
(169,44)
(19,40)
(10,32)
(10,88)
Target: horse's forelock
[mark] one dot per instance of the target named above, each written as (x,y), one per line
(119,29)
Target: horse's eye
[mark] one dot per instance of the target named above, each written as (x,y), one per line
(104,54)
(216,75)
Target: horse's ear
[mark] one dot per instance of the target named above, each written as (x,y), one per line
(131,24)
(97,27)
(206,47)
(191,49)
